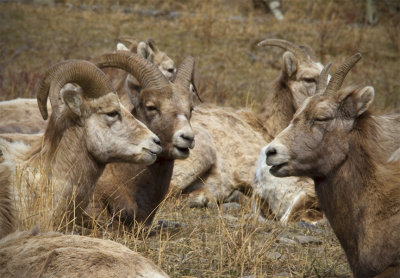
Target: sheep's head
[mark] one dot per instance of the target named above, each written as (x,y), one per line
(149,51)
(299,71)
(109,131)
(165,107)
(317,139)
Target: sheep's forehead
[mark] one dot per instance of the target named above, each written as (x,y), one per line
(323,107)
(316,105)
(105,103)
(310,69)
(177,97)
(161,58)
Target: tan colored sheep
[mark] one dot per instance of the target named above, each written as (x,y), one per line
(337,142)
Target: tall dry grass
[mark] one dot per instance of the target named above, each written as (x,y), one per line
(222,35)
(219,241)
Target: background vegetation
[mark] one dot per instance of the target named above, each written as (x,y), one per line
(232,71)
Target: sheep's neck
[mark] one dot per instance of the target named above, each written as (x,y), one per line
(357,207)
(278,110)
(70,169)
(157,180)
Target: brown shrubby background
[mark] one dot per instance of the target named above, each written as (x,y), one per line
(221,35)
(231,70)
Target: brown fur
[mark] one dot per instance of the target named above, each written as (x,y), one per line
(358,190)
(395,156)
(21,115)
(140,189)
(234,166)
(7,214)
(29,254)
(70,159)
(26,138)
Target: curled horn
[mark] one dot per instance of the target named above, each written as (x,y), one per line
(323,79)
(185,72)
(296,50)
(185,75)
(338,77)
(91,79)
(148,75)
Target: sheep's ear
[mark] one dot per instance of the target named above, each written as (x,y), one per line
(121,46)
(363,99)
(145,51)
(152,44)
(73,100)
(358,101)
(289,63)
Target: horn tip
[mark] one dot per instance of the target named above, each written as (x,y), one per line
(358,55)
(328,66)
(44,114)
(262,43)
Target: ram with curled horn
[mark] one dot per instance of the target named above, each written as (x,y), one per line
(165,108)
(335,140)
(87,129)
(22,116)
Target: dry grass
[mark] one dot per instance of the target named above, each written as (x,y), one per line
(225,241)
(231,70)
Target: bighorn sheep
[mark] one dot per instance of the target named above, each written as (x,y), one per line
(165,107)
(233,165)
(33,254)
(28,254)
(85,132)
(127,85)
(22,116)
(336,141)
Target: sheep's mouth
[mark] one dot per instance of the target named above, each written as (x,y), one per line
(180,152)
(279,170)
(151,152)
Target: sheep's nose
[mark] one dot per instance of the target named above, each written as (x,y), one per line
(171,70)
(270,151)
(188,137)
(157,141)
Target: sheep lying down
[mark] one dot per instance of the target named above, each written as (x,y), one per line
(34,254)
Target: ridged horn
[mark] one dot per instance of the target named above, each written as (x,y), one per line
(323,79)
(92,80)
(296,50)
(185,72)
(148,75)
(338,77)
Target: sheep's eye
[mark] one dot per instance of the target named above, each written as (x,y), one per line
(151,108)
(113,114)
(322,119)
(309,80)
